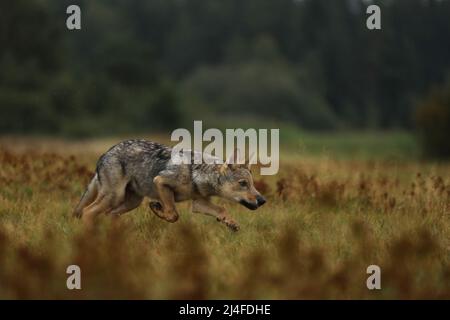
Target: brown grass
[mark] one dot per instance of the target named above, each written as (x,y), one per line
(324,223)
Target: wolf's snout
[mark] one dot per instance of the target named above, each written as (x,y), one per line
(253,205)
(249,205)
(260,200)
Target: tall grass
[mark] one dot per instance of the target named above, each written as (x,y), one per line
(325,222)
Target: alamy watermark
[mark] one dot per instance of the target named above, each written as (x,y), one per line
(373,22)
(190,150)
(74,279)
(73,282)
(374,280)
(73,21)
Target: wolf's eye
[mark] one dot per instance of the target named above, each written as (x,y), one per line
(243,183)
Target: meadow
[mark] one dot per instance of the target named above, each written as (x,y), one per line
(338,205)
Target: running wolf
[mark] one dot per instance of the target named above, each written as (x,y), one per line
(134,169)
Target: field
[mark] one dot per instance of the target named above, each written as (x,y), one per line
(330,214)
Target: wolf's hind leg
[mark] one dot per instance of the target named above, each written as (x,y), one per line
(88,197)
(132,201)
(103,203)
(110,196)
(164,209)
(206,207)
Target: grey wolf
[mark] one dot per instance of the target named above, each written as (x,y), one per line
(134,169)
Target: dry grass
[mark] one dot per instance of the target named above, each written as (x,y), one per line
(324,223)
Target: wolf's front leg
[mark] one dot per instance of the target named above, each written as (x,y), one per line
(165,209)
(206,207)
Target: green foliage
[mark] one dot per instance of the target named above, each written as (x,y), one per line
(259,90)
(433,122)
(20,112)
(153,65)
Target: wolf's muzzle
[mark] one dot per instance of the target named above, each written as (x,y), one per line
(249,205)
(260,200)
(253,205)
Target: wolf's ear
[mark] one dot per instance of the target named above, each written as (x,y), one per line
(250,160)
(232,161)
(234,157)
(223,168)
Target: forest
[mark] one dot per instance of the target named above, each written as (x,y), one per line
(152,66)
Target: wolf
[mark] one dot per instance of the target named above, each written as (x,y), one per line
(134,169)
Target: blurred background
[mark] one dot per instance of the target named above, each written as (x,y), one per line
(309,67)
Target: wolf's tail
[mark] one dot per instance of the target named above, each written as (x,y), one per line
(88,197)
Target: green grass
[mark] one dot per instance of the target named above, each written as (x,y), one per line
(343,144)
(363,145)
(329,215)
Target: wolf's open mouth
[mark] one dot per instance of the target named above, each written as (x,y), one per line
(249,205)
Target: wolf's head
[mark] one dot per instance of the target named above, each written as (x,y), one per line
(236,184)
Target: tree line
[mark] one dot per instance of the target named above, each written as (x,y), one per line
(155,65)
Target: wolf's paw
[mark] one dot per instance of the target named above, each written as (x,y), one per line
(230,223)
(155,206)
(172,218)
(233,225)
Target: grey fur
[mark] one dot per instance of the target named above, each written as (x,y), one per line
(134,169)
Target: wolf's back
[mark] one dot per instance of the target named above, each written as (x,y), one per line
(132,155)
